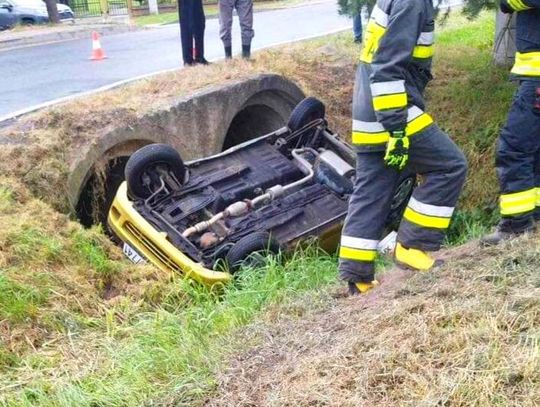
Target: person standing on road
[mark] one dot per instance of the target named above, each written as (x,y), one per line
(192,25)
(518,153)
(244,9)
(357,27)
(392,133)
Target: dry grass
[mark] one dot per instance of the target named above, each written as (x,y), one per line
(466,335)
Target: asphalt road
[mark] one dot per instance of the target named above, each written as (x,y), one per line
(35,75)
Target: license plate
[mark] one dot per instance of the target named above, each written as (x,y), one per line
(133,255)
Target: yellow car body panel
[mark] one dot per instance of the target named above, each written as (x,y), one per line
(134,230)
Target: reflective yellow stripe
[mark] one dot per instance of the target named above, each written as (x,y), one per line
(425,220)
(390,101)
(518,203)
(537,196)
(415,126)
(359,137)
(357,254)
(423,51)
(418,124)
(527,64)
(518,5)
(374,33)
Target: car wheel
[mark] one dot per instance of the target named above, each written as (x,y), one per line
(149,165)
(400,200)
(305,112)
(251,251)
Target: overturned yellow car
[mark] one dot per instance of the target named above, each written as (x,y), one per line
(208,218)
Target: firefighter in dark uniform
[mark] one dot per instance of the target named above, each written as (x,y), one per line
(391,131)
(518,153)
(192,25)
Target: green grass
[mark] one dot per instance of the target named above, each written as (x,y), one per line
(172,351)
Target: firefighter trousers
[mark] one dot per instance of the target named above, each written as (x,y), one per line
(442,168)
(518,161)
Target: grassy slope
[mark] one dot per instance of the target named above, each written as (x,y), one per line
(466,335)
(78,326)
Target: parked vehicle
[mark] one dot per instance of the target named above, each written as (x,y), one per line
(29,12)
(7,17)
(209,217)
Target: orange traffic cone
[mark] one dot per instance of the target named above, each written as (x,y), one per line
(97,52)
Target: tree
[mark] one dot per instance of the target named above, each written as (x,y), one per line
(52,10)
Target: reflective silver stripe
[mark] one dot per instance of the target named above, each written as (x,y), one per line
(431,210)
(380,16)
(426,38)
(367,127)
(413,113)
(376,127)
(387,88)
(359,243)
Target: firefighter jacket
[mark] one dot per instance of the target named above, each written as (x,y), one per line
(527,64)
(394,69)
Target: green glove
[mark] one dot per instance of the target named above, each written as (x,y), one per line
(397,150)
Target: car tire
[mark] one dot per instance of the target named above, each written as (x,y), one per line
(400,200)
(251,251)
(305,112)
(143,168)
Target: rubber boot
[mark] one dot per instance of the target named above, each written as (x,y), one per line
(414,259)
(228,52)
(499,236)
(246,51)
(361,288)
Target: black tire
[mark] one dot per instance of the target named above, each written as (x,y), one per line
(144,167)
(400,200)
(242,253)
(305,112)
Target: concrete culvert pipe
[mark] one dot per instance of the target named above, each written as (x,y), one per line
(200,125)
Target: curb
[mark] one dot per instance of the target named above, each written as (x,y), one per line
(41,39)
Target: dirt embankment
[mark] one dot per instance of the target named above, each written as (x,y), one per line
(466,335)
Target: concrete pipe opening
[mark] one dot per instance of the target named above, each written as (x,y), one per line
(200,125)
(251,122)
(98,192)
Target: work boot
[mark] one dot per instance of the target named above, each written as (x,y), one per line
(246,51)
(202,61)
(361,288)
(228,52)
(414,259)
(500,235)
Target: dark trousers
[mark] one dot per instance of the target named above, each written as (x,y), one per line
(518,161)
(442,167)
(357,26)
(192,25)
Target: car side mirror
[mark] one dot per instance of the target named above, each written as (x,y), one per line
(7,6)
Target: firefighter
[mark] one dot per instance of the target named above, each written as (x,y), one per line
(518,152)
(192,25)
(392,133)
(244,9)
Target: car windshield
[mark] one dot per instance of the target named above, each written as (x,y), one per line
(29,3)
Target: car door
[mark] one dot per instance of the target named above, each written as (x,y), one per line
(7,18)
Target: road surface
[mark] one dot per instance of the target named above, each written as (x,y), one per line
(35,75)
